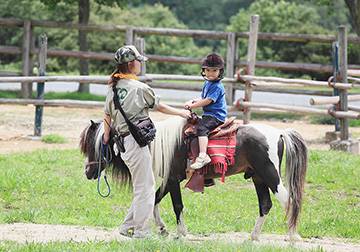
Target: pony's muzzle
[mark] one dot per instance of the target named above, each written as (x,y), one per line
(90,173)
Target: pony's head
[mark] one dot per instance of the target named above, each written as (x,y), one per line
(90,146)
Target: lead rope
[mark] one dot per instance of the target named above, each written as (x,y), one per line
(102,156)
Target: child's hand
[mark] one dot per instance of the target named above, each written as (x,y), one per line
(189,104)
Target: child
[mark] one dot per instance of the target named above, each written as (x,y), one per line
(212,101)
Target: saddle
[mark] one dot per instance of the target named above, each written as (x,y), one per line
(197,182)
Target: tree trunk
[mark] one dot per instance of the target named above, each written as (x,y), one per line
(84,14)
(354,8)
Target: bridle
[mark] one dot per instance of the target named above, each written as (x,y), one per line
(91,163)
(102,157)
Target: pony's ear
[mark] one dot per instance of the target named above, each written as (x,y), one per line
(92,124)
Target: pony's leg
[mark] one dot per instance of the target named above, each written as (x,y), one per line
(265,205)
(159,223)
(175,193)
(282,196)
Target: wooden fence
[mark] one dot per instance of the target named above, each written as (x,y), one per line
(252,83)
(232,62)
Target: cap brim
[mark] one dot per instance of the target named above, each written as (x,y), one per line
(142,58)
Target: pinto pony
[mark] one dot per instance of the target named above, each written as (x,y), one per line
(258,153)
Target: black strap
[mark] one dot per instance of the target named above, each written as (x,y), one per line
(118,106)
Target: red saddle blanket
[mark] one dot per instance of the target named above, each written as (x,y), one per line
(221,151)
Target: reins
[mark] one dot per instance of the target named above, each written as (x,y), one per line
(102,156)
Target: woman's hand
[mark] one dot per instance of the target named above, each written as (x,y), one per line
(107,123)
(185,114)
(105,139)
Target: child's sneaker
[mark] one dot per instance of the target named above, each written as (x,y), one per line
(200,162)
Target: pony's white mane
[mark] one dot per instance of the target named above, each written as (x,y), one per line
(168,136)
(99,132)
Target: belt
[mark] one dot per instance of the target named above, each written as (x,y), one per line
(125,134)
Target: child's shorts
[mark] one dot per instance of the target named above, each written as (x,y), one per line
(206,124)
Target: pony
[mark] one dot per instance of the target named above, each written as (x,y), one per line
(258,153)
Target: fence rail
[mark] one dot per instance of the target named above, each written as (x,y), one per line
(131,32)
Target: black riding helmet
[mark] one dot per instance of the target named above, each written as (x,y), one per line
(213,61)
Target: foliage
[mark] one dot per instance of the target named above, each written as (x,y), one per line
(66,39)
(275,16)
(210,15)
(111,3)
(53,138)
(146,16)
(284,17)
(352,5)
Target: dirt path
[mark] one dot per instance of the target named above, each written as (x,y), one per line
(27,232)
(17,127)
(16,135)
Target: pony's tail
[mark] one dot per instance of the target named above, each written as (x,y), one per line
(296,165)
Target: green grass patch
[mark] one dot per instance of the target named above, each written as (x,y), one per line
(153,245)
(7,94)
(49,187)
(55,96)
(265,116)
(74,96)
(53,138)
(318,119)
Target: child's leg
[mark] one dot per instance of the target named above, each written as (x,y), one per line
(203,158)
(203,144)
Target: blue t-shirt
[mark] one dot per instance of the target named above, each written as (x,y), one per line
(216,92)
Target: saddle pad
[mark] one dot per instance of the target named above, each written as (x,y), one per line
(221,151)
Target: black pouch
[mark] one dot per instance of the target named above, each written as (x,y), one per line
(144,132)
(119,141)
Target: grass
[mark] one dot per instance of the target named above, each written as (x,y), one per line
(49,187)
(155,245)
(53,138)
(53,95)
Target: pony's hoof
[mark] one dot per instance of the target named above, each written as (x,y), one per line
(163,232)
(253,238)
(177,237)
(296,238)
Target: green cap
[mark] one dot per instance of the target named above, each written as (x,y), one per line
(128,53)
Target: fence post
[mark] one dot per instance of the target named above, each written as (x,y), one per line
(335,135)
(230,66)
(345,144)
(129,36)
(344,124)
(40,86)
(335,74)
(140,45)
(250,64)
(26,88)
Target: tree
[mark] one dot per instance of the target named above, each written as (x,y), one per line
(84,15)
(283,17)
(352,5)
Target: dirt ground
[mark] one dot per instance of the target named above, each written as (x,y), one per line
(17,135)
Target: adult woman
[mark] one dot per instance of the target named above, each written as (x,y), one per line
(136,98)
